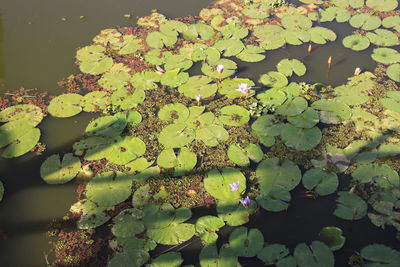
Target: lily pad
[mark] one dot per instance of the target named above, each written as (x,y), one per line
(229,68)
(332,237)
(114,80)
(199,30)
(218,184)
(288,67)
(296,37)
(307,119)
(277,199)
(299,138)
(251,53)
(183,162)
(141,196)
(273,253)
(234,115)
(382,37)
(230,47)
(99,187)
(176,135)
(318,255)
(365,21)
(199,85)
(270,36)
(173,259)
(54,171)
(393,71)
(350,206)
(209,256)
(175,112)
(293,106)
(133,258)
(29,113)
(356,42)
(246,243)
(382,5)
(386,55)
(125,149)
(212,135)
(380,255)
(111,126)
(332,112)
(207,226)
(126,99)
(145,80)
(65,105)
(242,157)
(274,79)
(381,175)
(127,223)
(159,40)
(266,129)
(271,174)
(231,87)
(296,22)
(91,215)
(96,101)
(321,35)
(234,213)
(174,78)
(325,182)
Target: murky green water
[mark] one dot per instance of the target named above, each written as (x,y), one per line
(38,40)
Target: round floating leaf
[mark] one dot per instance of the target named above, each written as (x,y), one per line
(299,138)
(111,126)
(141,196)
(325,182)
(391,22)
(54,171)
(231,47)
(296,37)
(332,112)
(126,149)
(332,237)
(350,206)
(99,187)
(381,175)
(174,112)
(207,226)
(321,35)
(266,129)
(393,71)
(229,87)
(293,106)
(92,215)
(90,53)
(173,27)
(382,37)
(276,200)
(242,157)
(251,54)
(65,105)
(126,99)
(234,213)
(1,190)
(380,255)
(19,143)
(365,21)
(382,5)
(386,55)
(211,135)
(177,62)
(114,80)
(161,216)
(270,36)
(296,22)
(234,115)
(246,243)
(317,255)
(95,101)
(271,173)
(31,114)
(356,42)
(272,98)
(198,86)
(176,135)
(145,80)
(307,119)
(127,223)
(132,258)
(183,162)
(173,234)
(218,183)
(272,254)
(199,30)
(174,78)
(173,259)
(274,79)
(287,67)
(159,40)
(96,67)
(211,70)
(209,256)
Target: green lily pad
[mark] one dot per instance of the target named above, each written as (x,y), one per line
(296,22)
(207,226)
(382,5)
(174,112)
(183,162)
(348,3)
(307,119)
(173,27)
(272,98)
(332,237)
(199,30)
(174,78)
(293,106)
(209,54)
(233,31)
(126,99)
(127,223)
(212,135)
(111,126)
(95,101)
(391,22)
(234,115)
(54,171)
(242,157)
(125,149)
(273,253)
(230,47)
(271,173)
(332,112)
(391,101)
(99,187)
(274,79)
(133,258)
(92,215)
(229,87)
(209,256)
(114,80)
(270,36)
(325,182)
(161,216)
(176,135)
(335,12)
(266,129)
(393,71)
(365,21)
(382,37)
(141,196)
(234,213)
(296,37)
(381,175)
(317,254)
(145,80)
(288,67)
(251,53)
(356,42)
(20,137)
(177,62)
(173,259)
(218,184)
(351,95)
(246,243)
(299,138)
(198,86)
(380,255)
(65,105)
(386,55)
(159,40)
(90,53)
(173,234)
(321,35)
(29,113)
(277,199)
(350,206)
(211,70)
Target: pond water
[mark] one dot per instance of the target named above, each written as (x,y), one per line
(38,41)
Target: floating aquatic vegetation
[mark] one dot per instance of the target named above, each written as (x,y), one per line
(92,215)
(134,258)
(365,21)
(332,237)
(324,182)
(31,114)
(288,67)
(274,79)
(209,256)
(386,55)
(384,5)
(65,105)
(96,101)
(273,254)
(198,86)
(217,184)
(356,42)
(232,88)
(382,37)
(207,226)
(393,71)
(183,162)
(380,175)
(246,243)
(114,81)
(145,80)
(391,101)
(242,157)
(93,60)
(317,254)
(54,171)
(379,254)
(234,115)
(174,259)
(350,206)
(176,135)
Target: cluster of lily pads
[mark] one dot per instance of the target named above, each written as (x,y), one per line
(201,113)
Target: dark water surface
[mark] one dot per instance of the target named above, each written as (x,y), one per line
(38,40)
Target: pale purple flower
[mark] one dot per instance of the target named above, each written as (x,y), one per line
(243,88)
(234,186)
(198,97)
(245,202)
(220,68)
